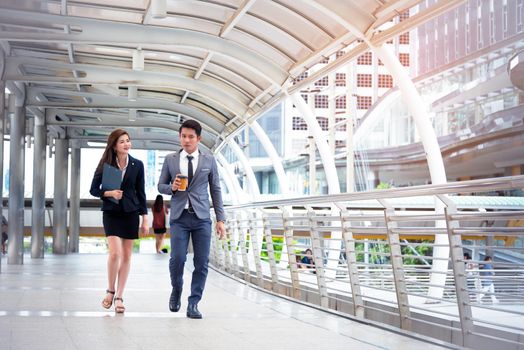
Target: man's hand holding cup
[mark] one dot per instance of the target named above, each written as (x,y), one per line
(180,183)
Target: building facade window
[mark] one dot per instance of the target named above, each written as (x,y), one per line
(323,122)
(340,53)
(301,77)
(404,38)
(299,123)
(322,82)
(365,59)
(364,80)
(340,79)
(340,143)
(404,59)
(341,127)
(305,97)
(403,16)
(364,102)
(385,81)
(340,102)
(321,101)
(325,60)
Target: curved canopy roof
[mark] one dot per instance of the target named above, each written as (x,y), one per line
(221,62)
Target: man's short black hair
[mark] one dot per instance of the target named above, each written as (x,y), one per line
(191,124)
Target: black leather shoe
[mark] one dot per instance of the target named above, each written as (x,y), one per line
(192,311)
(174,300)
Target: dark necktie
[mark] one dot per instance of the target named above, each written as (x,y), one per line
(189,178)
(189,169)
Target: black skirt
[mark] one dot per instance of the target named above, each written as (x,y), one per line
(121,224)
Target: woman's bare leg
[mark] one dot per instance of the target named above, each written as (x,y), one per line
(159,242)
(125,265)
(113,264)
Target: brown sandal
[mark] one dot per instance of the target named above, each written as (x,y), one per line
(119,309)
(105,303)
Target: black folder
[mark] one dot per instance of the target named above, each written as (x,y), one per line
(111,180)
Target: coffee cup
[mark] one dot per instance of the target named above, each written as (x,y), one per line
(183,182)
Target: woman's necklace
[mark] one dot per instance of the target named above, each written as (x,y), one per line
(118,163)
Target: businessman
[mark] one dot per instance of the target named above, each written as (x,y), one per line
(190,213)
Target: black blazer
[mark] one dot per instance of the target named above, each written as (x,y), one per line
(134,196)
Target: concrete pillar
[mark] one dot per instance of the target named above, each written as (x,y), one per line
(2,116)
(2,127)
(15,250)
(60,197)
(74,201)
(39,175)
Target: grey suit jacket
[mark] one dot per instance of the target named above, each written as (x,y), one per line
(205,176)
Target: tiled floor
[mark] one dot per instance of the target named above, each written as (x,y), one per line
(54,303)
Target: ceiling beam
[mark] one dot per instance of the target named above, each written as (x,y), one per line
(94,31)
(233,20)
(220,93)
(121,102)
(119,120)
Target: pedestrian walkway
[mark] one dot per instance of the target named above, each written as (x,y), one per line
(54,303)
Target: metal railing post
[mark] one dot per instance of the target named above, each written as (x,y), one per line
(292,258)
(270,253)
(351,259)
(397,267)
(459,273)
(255,248)
(319,259)
(226,249)
(243,247)
(214,257)
(232,247)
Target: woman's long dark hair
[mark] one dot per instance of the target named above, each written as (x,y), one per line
(158,206)
(109,155)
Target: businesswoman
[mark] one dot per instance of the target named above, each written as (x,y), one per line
(120,213)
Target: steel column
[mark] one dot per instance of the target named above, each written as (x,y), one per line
(74,201)
(2,119)
(60,197)
(39,176)
(15,250)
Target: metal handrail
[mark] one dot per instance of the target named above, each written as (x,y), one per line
(470,186)
(360,260)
